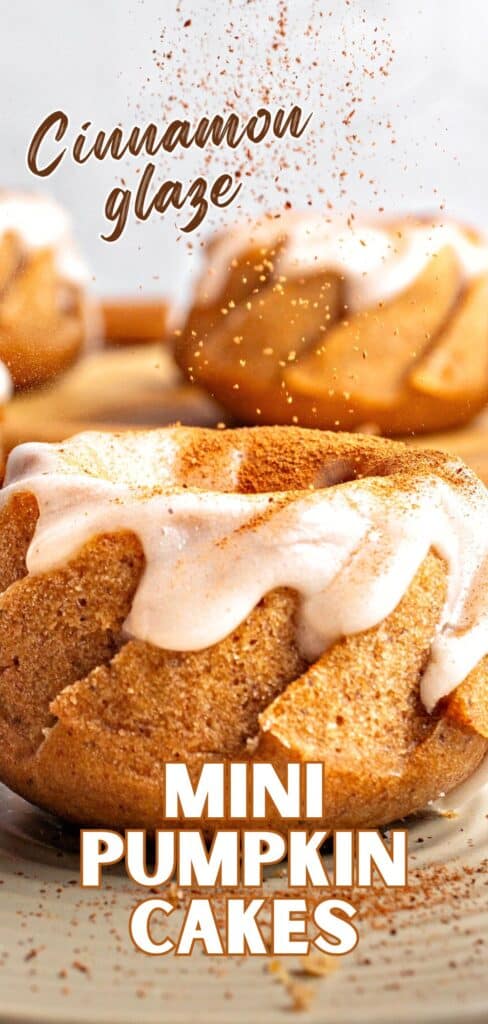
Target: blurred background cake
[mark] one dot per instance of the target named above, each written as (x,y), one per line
(45,318)
(343,325)
(5,393)
(77,360)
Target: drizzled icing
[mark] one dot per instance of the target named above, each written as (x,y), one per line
(350,551)
(5,384)
(40,223)
(375,262)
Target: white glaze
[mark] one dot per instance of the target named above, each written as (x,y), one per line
(40,223)
(350,551)
(375,262)
(6,386)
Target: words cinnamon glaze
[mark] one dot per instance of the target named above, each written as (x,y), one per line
(52,143)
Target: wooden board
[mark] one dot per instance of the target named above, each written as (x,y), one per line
(110,390)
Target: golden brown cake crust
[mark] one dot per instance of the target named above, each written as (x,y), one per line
(88,719)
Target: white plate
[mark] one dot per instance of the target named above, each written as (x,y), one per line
(65,953)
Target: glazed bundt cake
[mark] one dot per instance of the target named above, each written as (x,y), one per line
(336,325)
(271,593)
(44,318)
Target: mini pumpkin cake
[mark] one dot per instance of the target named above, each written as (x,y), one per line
(45,318)
(299,319)
(271,593)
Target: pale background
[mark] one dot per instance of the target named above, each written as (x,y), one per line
(95,60)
